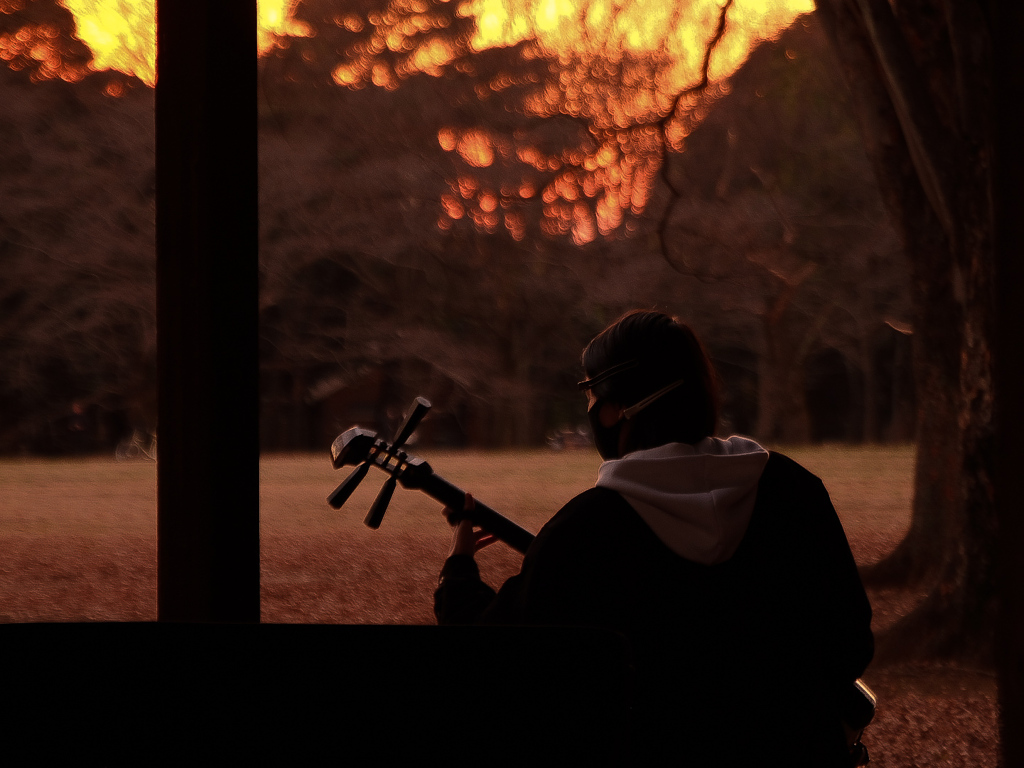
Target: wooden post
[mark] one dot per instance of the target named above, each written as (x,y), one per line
(206,176)
(1008,118)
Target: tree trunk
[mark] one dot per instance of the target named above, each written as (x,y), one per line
(957,619)
(782,414)
(903,421)
(872,429)
(929,143)
(936,342)
(1009,374)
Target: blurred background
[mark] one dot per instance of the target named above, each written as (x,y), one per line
(454,198)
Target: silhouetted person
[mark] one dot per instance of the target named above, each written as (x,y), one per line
(723,564)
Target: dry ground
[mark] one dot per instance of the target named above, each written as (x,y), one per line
(79,544)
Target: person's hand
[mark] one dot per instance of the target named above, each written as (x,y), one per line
(467,539)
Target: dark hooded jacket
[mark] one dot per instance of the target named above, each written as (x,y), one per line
(729,573)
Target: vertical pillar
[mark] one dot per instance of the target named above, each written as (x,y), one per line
(1008,363)
(206,175)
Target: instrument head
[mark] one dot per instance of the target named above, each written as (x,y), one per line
(352,446)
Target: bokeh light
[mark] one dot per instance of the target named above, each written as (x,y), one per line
(626,69)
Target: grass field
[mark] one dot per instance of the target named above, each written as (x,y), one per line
(79,544)
(82,533)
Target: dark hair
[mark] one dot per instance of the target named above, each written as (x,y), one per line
(655,351)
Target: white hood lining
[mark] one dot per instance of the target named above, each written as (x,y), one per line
(698,499)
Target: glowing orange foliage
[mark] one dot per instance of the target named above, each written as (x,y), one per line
(621,68)
(476,149)
(37,45)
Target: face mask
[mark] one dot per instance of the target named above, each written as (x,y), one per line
(605,438)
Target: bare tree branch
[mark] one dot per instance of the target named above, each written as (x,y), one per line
(663,124)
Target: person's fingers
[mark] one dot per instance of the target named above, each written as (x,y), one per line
(466,539)
(467,506)
(484,539)
(463,539)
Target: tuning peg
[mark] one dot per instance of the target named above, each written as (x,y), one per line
(419,409)
(380,504)
(343,491)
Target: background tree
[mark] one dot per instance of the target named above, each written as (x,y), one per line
(383,202)
(375,216)
(77,328)
(943,139)
(920,79)
(542,166)
(437,226)
(774,204)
